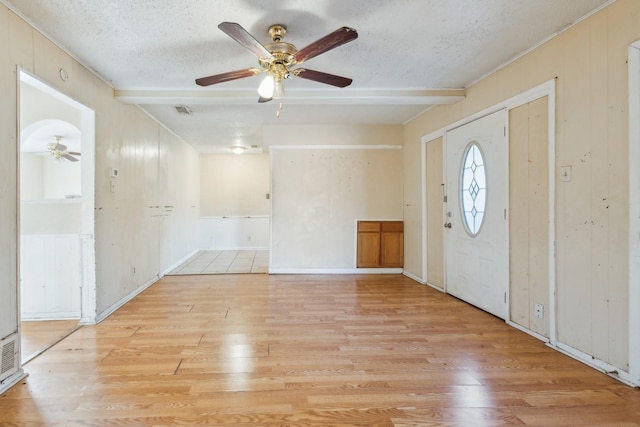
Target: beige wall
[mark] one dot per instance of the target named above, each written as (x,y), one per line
(148,223)
(589,63)
(529,214)
(319,191)
(234,185)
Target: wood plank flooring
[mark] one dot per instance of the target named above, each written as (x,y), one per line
(269,350)
(38,335)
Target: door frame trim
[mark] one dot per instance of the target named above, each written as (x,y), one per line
(88,291)
(634,213)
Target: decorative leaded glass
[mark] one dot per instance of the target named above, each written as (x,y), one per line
(473,188)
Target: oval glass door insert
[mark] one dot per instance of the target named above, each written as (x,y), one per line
(473,188)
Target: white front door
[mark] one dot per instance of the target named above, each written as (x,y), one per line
(476,228)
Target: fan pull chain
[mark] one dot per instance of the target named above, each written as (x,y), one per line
(279,109)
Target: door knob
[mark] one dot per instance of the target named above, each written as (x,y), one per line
(447,225)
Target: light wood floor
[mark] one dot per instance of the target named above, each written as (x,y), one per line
(225,262)
(261,350)
(37,336)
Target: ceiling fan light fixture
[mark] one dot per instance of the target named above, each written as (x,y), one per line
(278,90)
(267,87)
(237,149)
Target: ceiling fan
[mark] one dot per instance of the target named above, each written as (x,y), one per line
(277,58)
(59,151)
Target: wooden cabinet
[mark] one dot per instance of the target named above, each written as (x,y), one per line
(380,244)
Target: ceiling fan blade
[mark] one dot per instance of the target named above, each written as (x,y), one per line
(74,153)
(242,36)
(337,38)
(319,76)
(57,147)
(225,77)
(68,157)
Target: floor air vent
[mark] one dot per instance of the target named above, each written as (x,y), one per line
(9,361)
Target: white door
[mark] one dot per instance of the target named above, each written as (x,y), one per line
(476,228)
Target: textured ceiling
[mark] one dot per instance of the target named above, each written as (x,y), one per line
(407,52)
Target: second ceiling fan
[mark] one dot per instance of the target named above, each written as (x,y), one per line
(277,58)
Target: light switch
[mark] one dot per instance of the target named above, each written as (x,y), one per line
(565,173)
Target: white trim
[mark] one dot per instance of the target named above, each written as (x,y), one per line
(528,331)
(587,359)
(414,277)
(236,248)
(235,216)
(87,118)
(422,282)
(336,147)
(543,89)
(634,213)
(424,210)
(12,380)
(122,301)
(178,263)
(335,271)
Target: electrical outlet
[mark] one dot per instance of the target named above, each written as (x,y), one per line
(539,308)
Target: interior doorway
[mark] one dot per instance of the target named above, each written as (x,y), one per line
(56,216)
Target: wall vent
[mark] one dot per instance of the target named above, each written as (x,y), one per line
(9,361)
(182,109)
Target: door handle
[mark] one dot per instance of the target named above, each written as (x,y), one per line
(447,225)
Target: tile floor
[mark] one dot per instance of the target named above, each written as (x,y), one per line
(225,262)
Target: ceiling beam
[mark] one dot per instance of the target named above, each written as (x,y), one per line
(292,96)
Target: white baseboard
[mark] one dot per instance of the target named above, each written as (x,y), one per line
(122,301)
(12,380)
(111,309)
(414,277)
(580,356)
(528,331)
(422,282)
(177,264)
(49,316)
(237,248)
(597,364)
(335,270)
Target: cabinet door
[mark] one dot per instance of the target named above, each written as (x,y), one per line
(391,244)
(368,250)
(391,249)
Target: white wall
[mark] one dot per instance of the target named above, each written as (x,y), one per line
(234,233)
(234,208)
(234,185)
(50,276)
